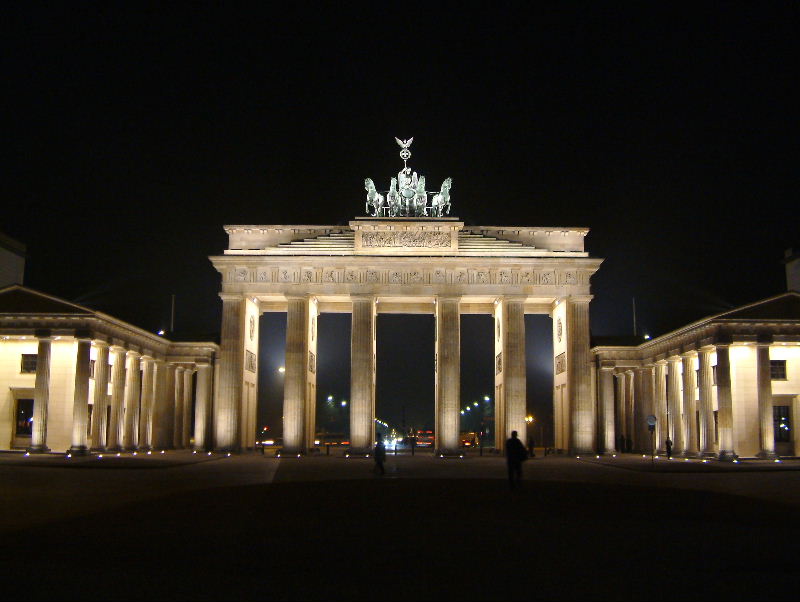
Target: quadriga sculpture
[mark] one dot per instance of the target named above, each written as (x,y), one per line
(440,204)
(374,198)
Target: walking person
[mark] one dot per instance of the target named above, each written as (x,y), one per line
(515,456)
(668,445)
(380,455)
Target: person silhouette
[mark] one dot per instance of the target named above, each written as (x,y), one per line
(515,456)
(380,455)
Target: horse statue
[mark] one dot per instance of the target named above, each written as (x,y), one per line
(393,198)
(440,204)
(420,198)
(374,198)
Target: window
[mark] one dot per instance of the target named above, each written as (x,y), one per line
(777,369)
(782,424)
(28,363)
(24,417)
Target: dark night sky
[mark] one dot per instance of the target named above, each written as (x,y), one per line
(134,132)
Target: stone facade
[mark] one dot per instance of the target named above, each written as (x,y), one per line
(407,265)
(95,382)
(725,386)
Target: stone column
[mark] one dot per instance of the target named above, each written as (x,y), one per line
(660,394)
(632,441)
(674,402)
(690,405)
(641,437)
(133,389)
(605,387)
(80,400)
(41,395)
(158,413)
(621,423)
(177,408)
(724,403)
(188,373)
(448,375)
(294,384)
(202,406)
(115,431)
(362,374)
(766,421)
(514,377)
(99,417)
(228,403)
(579,375)
(707,444)
(148,396)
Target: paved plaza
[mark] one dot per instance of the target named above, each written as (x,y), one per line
(183,525)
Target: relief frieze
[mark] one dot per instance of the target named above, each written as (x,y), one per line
(435,240)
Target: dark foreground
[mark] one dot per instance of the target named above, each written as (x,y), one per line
(325,529)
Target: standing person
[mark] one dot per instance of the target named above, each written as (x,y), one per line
(515,455)
(531,448)
(380,455)
(668,445)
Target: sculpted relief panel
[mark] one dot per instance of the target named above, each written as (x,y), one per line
(406,239)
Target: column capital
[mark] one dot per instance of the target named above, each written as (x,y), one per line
(117,348)
(579,298)
(689,354)
(456,298)
(133,353)
(674,359)
(231,296)
(607,365)
(100,343)
(44,335)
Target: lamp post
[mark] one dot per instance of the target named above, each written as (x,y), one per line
(529,420)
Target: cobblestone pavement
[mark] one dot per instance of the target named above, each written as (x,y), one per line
(191,526)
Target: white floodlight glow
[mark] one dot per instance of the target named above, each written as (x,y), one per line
(344,403)
(161,333)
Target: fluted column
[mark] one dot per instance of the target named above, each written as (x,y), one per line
(621,422)
(164,405)
(41,395)
(660,393)
(133,388)
(362,373)
(724,403)
(605,385)
(674,402)
(228,403)
(579,374)
(765,417)
(80,398)
(294,384)
(202,406)
(115,431)
(448,374)
(632,441)
(99,411)
(690,404)
(706,382)
(188,373)
(177,408)
(148,396)
(514,378)
(158,413)
(641,435)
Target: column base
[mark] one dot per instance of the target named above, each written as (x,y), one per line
(767,455)
(39,449)
(79,451)
(449,453)
(727,456)
(707,454)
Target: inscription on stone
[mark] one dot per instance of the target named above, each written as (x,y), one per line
(406,239)
(249,361)
(561,363)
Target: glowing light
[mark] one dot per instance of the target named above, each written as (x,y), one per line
(705,461)
(647,337)
(69,455)
(578,457)
(27,454)
(347,455)
(316,442)
(281,369)
(475,403)
(613,455)
(344,403)
(162,451)
(462,412)
(118,454)
(161,333)
(777,461)
(229,454)
(208,454)
(298,455)
(277,455)
(598,457)
(135,453)
(486,398)
(194,452)
(100,457)
(149,452)
(330,397)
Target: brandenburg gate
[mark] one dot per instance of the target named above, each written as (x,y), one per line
(407,256)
